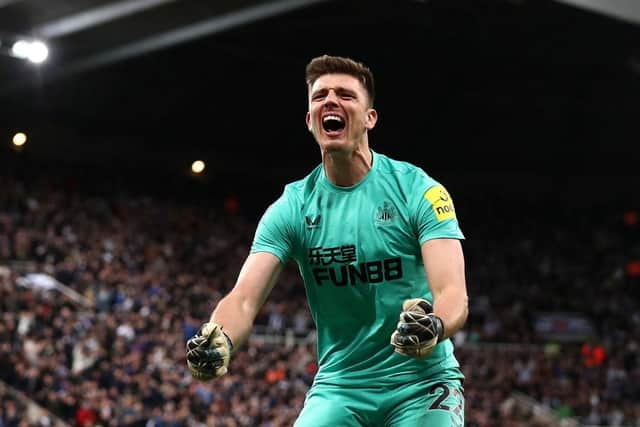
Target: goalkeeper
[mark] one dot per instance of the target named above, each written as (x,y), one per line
(378,246)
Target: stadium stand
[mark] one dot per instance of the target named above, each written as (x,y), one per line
(99,293)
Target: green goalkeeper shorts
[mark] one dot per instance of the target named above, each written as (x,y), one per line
(427,403)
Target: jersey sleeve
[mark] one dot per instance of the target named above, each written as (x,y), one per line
(274,233)
(434,213)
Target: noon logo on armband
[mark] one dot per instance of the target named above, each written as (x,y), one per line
(440,202)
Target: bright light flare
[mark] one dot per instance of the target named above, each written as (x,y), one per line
(197,166)
(39,52)
(20,49)
(19,139)
(35,51)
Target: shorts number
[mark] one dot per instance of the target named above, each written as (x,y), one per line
(443,392)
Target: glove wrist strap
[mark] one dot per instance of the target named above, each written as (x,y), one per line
(439,327)
(229,342)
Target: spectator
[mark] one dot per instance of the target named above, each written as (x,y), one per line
(142,263)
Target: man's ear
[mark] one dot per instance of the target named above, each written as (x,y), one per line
(372,119)
(308,121)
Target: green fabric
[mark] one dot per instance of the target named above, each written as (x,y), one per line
(426,403)
(359,252)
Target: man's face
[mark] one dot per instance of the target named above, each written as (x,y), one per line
(339,114)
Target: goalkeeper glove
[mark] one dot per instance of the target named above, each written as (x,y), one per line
(418,331)
(208,352)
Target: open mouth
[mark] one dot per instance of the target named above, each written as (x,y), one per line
(332,123)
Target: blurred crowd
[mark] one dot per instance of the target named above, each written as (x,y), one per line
(150,270)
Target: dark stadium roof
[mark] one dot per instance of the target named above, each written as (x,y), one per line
(462,84)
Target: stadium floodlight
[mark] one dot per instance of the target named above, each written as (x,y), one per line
(19,139)
(39,52)
(34,51)
(197,166)
(20,49)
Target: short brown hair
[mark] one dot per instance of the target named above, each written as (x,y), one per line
(327,64)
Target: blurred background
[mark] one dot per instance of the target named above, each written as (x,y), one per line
(141,140)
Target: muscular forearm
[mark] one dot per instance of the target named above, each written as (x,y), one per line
(236,316)
(237,311)
(451,306)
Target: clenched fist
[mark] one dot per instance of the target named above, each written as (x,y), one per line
(418,330)
(208,352)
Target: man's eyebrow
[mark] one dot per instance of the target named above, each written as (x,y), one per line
(345,89)
(337,89)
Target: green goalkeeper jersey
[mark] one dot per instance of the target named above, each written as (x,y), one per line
(359,252)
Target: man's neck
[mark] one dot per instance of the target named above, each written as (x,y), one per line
(348,169)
